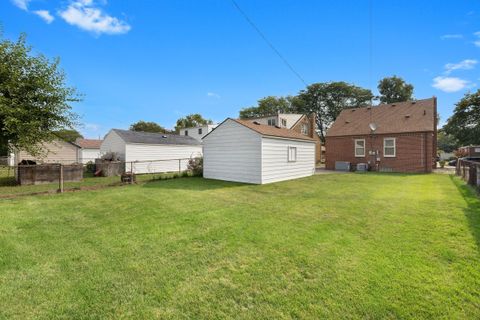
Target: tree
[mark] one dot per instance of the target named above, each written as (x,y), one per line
(464,124)
(446,142)
(146,126)
(271,105)
(192,120)
(34,99)
(70,135)
(394,89)
(327,100)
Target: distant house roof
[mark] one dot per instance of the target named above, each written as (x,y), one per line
(401,117)
(89,143)
(155,138)
(272,131)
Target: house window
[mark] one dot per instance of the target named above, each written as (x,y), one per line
(199,130)
(292,154)
(359,147)
(186,132)
(284,123)
(304,128)
(272,122)
(389,148)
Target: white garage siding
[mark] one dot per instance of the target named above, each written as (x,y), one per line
(113,143)
(232,152)
(147,152)
(275,164)
(87,155)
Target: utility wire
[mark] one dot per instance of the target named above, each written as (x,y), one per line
(262,35)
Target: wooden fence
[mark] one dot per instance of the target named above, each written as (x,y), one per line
(469,171)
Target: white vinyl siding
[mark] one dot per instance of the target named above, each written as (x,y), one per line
(169,153)
(359,146)
(197,132)
(87,155)
(113,143)
(389,147)
(275,164)
(232,152)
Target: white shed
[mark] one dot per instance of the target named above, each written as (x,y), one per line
(90,149)
(245,151)
(151,152)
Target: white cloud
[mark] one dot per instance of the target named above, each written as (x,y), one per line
(466,64)
(451,36)
(451,84)
(84,15)
(213,95)
(22,4)
(45,15)
(477,42)
(92,126)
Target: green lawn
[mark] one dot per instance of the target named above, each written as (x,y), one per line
(328,246)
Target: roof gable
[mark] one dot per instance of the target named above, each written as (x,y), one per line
(272,131)
(401,117)
(154,138)
(89,143)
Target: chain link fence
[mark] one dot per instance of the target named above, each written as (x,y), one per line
(29,178)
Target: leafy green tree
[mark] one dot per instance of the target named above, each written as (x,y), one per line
(192,120)
(394,89)
(271,105)
(70,135)
(328,99)
(446,142)
(464,124)
(146,126)
(34,99)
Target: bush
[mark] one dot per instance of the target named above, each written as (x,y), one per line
(90,167)
(195,165)
(442,163)
(110,156)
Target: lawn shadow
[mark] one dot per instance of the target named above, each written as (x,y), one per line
(191,183)
(472,212)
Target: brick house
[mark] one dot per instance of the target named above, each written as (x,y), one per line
(300,123)
(405,138)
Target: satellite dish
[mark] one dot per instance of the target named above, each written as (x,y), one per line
(373,126)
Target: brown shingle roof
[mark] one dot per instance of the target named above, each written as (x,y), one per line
(89,143)
(272,131)
(400,117)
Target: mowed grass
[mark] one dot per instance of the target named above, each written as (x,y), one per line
(329,246)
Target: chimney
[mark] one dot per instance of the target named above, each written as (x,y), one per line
(313,124)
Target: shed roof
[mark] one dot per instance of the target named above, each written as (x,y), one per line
(400,117)
(155,138)
(272,131)
(89,143)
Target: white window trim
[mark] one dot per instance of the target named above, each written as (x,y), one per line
(288,154)
(394,148)
(355,148)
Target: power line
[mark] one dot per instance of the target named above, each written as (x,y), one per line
(260,33)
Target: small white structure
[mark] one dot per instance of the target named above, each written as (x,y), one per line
(152,152)
(90,149)
(56,151)
(246,151)
(197,132)
(284,120)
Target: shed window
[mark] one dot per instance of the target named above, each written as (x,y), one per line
(389,147)
(292,154)
(272,122)
(359,147)
(200,130)
(305,129)
(186,132)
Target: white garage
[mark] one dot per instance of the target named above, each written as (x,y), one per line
(245,151)
(147,152)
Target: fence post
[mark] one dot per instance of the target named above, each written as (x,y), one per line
(60,182)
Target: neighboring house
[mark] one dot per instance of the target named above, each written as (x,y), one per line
(197,132)
(90,149)
(300,123)
(246,151)
(56,151)
(405,139)
(149,148)
(471,152)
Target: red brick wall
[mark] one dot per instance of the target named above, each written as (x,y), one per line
(414,151)
(310,122)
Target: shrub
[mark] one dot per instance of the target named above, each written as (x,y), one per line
(90,167)
(195,165)
(442,163)
(110,156)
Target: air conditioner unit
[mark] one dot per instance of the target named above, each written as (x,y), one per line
(342,166)
(362,167)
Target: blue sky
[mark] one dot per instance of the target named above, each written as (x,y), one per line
(160,60)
